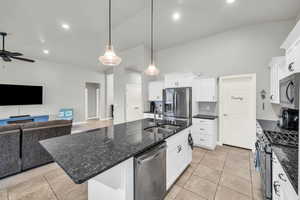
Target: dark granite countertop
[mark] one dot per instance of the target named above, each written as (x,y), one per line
(288,157)
(206,116)
(85,155)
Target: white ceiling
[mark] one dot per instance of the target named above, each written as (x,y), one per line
(35,24)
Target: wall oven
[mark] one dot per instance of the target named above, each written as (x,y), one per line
(289,91)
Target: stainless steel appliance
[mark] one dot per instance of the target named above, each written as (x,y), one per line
(289,119)
(289,91)
(265,140)
(150,174)
(264,150)
(177,103)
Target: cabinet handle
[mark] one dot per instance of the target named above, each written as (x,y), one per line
(291,67)
(179,148)
(281,176)
(202,129)
(276,186)
(271,97)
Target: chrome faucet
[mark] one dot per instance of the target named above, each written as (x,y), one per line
(155,117)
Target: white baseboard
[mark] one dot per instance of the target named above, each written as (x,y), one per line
(109,118)
(219,143)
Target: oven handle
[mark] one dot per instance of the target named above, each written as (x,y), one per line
(291,100)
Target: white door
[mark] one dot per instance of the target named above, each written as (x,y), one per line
(238,110)
(133,102)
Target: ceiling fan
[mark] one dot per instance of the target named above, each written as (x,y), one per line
(7,56)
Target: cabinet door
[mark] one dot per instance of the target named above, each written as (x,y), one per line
(205,90)
(155,91)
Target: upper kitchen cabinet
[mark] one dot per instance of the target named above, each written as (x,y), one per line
(277,66)
(205,90)
(292,49)
(155,89)
(179,80)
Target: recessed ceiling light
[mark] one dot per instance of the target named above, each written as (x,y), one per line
(65,26)
(46,51)
(176,16)
(230,1)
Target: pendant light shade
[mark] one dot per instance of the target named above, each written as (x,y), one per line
(152,69)
(110,58)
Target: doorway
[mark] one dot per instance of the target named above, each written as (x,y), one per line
(92,102)
(238,110)
(133,102)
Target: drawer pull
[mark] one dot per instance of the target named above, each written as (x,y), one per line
(291,67)
(281,176)
(276,186)
(202,129)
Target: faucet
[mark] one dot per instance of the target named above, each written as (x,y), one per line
(155,117)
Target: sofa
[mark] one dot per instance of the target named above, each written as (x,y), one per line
(19,144)
(10,161)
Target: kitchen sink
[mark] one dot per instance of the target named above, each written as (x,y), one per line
(169,126)
(158,130)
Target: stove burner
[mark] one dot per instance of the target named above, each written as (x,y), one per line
(286,138)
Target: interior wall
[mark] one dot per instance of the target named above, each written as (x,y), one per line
(64,87)
(240,51)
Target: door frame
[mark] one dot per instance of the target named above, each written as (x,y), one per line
(221,112)
(97,103)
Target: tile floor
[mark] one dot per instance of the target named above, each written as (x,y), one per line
(224,174)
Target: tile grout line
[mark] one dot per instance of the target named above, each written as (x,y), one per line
(51,188)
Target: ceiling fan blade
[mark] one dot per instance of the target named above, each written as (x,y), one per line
(23,59)
(5,58)
(15,54)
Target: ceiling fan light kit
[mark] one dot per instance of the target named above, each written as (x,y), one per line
(7,56)
(110,58)
(152,69)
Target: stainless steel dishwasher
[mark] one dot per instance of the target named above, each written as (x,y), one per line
(150,174)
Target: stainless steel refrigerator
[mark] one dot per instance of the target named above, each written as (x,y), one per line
(177,103)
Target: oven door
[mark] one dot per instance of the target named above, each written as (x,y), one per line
(265,159)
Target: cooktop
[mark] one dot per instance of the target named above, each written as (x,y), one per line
(285,138)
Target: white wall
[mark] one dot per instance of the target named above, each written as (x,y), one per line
(243,50)
(64,87)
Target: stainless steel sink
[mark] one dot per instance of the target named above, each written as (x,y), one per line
(158,130)
(169,126)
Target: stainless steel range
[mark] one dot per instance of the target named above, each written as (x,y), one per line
(265,140)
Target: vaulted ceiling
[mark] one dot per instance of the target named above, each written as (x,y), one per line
(36,25)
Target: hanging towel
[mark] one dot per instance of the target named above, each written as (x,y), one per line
(257,158)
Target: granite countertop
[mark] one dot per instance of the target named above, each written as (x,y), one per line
(288,157)
(206,116)
(85,155)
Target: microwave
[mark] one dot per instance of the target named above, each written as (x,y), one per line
(289,91)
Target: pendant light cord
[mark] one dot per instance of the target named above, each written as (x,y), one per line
(109,24)
(152,59)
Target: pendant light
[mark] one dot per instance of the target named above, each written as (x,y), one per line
(152,70)
(110,58)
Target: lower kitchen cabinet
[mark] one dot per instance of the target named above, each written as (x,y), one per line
(179,155)
(204,132)
(282,188)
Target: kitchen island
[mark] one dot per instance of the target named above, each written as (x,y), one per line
(105,157)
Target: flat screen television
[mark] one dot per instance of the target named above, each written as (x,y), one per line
(20,95)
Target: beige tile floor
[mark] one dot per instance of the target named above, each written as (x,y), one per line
(224,174)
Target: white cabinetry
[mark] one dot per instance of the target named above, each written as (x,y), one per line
(277,66)
(205,90)
(179,155)
(292,51)
(282,189)
(178,80)
(155,90)
(204,132)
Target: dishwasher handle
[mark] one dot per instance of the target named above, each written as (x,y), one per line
(152,154)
